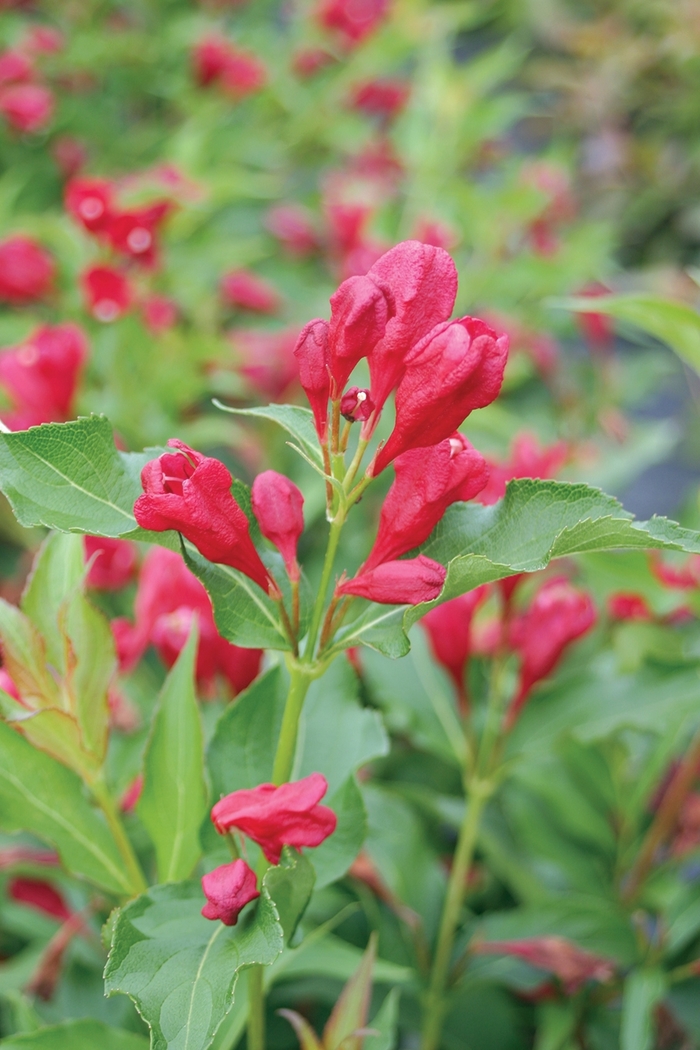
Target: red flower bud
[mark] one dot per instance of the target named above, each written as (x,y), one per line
(527,460)
(360,310)
(243,75)
(427,481)
(43,40)
(26,271)
(42,375)
(380,97)
(312,354)
(107,292)
(209,58)
(449,630)
(278,506)
(276,817)
(457,367)
(191,493)
(629,607)
(246,290)
(557,616)
(352,20)
(89,201)
(398,582)
(134,232)
(423,283)
(228,889)
(356,404)
(113,562)
(27,107)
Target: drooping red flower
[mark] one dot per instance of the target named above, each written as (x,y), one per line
(556,617)
(114,564)
(572,965)
(456,368)
(26,271)
(228,889)
(427,482)
(266,358)
(276,817)
(360,310)
(312,355)
(381,97)
(293,226)
(159,313)
(408,582)
(629,606)
(278,506)
(423,284)
(39,895)
(191,493)
(107,292)
(90,202)
(15,67)
(42,375)
(134,233)
(449,629)
(246,290)
(356,404)
(352,20)
(528,459)
(27,107)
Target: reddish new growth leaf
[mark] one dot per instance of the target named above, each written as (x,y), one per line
(112,562)
(26,271)
(228,889)
(449,629)
(191,493)
(247,291)
(572,965)
(39,895)
(276,817)
(42,375)
(107,292)
(528,459)
(557,616)
(409,582)
(278,506)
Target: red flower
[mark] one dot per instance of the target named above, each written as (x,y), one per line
(557,616)
(409,582)
(42,375)
(293,226)
(423,283)
(356,404)
(15,68)
(313,360)
(215,656)
(380,97)
(597,329)
(90,202)
(456,368)
(439,234)
(114,563)
(570,964)
(310,60)
(191,493)
(26,271)
(27,107)
(159,313)
(39,895)
(527,460)
(246,290)
(276,817)
(352,20)
(685,577)
(134,232)
(70,155)
(428,481)
(449,630)
(228,889)
(278,506)
(218,61)
(623,606)
(43,40)
(360,309)
(266,358)
(107,292)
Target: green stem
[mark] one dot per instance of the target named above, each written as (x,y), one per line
(478,794)
(301,679)
(256,1009)
(333,539)
(131,864)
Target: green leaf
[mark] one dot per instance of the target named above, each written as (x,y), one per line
(174,800)
(642,992)
(379,627)
(333,857)
(24,657)
(290,884)
(76,1035)
(350,1012)
(308,1040)
(39,795)
(56,574)
(385,1023)
(673,323)
(91,664)
(179,968)
(299,422)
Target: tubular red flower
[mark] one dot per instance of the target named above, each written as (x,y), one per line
(409,582)
(423,283)
(527,460)
(191,493)
(107,292)
(427,481)
(43,374)
(228,889)
(276,817)
(456,368)
(313,360)
(557,616)
(360,310)
(113,564)
(26,271)
(449,629)
(27,107)
(278,506)
(246,290)
(90,202)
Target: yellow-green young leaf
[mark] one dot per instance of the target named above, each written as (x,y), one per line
(76,1035)
(173,802)
(308,1040)
(91,661)
(350,1012)
(54,731)
(24,657)
(57,572)
(41,796)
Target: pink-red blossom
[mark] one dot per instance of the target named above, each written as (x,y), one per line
(15,67)
(408,582)
(90,201)
(628,606)
(449,629)
(40,895)
(275,817)
(27,271)
(293,226)
(247,291)
(352,20)
(112,562)
(528,459)
(107,292)
(381,97)
(134,233)
(266,358)
(159,313)
(42,375)
(27,107)
(278,506)
(312,356)
(228,889)
(360,309)
(356,404)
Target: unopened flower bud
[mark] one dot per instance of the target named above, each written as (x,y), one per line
(278,506)
(356,404)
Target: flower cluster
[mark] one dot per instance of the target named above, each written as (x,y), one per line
(26,103)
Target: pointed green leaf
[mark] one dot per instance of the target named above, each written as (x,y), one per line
(350,1012)
(76,1035)
(179,968)
(173,802)
(333,857)
(91,663)
(385,1024)
(39,795)
(56,574)
(299,422)
(24,657)
(642,992)
(308,1040)
(290,884)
